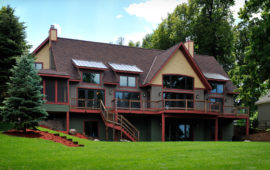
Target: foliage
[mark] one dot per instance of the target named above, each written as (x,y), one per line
(208,23)
(12,44)
(252,52)
(120,41)
(26,153)
(254,120)
(132,44)
(23,107)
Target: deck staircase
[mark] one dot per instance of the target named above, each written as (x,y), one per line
(119,123)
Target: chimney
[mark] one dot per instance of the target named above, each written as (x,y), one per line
(53,33)
(190,46)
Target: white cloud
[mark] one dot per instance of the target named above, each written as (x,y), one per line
(59,29)
(153,10)
(119,16)
(236,8)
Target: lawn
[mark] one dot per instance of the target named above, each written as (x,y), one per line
(26,153)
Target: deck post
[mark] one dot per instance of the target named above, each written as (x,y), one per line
(67,118)
(247,126)
(163,128)
(216,129)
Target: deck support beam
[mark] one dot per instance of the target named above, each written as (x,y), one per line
(216,129)
(67,123)
(163,127)
(247,126)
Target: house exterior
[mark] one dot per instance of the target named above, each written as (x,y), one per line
(264,111)
(112,92)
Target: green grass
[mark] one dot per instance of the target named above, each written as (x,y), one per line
(26,153)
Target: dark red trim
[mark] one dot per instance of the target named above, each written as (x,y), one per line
(187,116)
(67,118)
(163,128)
(41,46)
(190,60)
(110,83)
(216,129)
(73,80)
(53,75)
(93,111)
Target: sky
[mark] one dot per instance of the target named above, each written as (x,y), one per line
(94,20)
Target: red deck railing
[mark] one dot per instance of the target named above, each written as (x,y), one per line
(160,105)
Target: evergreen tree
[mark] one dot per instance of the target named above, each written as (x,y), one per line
(12,44)
(23,107)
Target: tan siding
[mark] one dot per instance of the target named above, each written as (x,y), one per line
(44,56)
(178,64)
(53,35)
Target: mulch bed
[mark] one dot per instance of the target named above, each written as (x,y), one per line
(78,135)
(261,136)
(43,135)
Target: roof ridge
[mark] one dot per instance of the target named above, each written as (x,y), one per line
(112,44)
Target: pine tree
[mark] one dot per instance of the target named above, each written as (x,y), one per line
(23,107)
(12,45)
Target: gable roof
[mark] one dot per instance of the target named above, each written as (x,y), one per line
(263,100)
(210,66)
(162,59)
(149,61)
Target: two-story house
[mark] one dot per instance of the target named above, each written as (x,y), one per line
(112,92)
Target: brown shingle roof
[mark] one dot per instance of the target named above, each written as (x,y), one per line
(149,60)
(208,64)
(64,50)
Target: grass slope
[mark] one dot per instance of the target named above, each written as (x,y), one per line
(26,153)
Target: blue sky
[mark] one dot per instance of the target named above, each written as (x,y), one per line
(93,20)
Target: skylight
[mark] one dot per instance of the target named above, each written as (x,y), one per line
(125,68)
(89,64)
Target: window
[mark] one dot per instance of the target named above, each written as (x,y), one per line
(93,78)
(38,66)
(217,87)
(177,82)
(90,97)
(50,90)
(62,91)
(171,102)
(217,104)
(126,81)
(128,99)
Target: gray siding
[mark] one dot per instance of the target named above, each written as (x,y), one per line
(264,115)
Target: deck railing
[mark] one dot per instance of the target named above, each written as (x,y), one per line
(159,105)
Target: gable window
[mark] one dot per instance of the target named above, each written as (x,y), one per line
(38,66)
(217,87)
(93,78)
(127,81)
(178,82)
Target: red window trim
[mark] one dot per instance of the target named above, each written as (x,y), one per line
(55,93)
(39,63)
(89,71)
(136,82)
